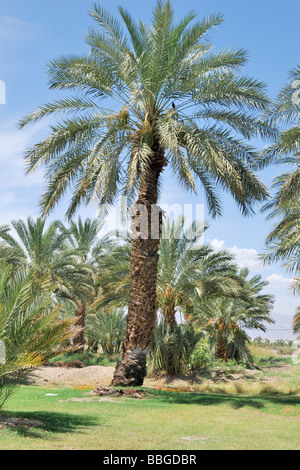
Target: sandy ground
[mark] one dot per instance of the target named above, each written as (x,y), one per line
(88,377)
(91,376)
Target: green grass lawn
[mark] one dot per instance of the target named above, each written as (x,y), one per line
(167,421)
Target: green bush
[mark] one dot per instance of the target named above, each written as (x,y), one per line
(30,329)
(201,356)
(171,350)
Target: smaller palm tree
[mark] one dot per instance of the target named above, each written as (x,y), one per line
(46,250)
(107,329)
(225,319)
(190,270)
(171,349)
(83,237)
(31,331)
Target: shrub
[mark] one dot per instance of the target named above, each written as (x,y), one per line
(30,329)
(201,356)
(171,350)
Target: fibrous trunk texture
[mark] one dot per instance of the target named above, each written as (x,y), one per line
(170,315)
(146,219)
(78,341)
(221,351)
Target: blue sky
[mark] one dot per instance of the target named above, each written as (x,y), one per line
(33,32)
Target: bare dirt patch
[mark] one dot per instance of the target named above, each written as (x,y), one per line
(89,377)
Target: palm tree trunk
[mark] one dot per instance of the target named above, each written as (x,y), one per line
(221,352)
(80,314)
(146,219)
(170,315)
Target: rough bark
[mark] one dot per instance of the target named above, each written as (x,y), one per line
(221,351)
(170,315)
(80,314)
(141,319)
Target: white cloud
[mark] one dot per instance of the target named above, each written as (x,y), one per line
(245,257)
(218,245)
(278,281)
(278,285)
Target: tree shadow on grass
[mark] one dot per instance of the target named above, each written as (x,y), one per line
(234,401)
(36,424)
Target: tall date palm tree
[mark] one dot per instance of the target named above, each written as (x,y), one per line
(283,242)
(152,98)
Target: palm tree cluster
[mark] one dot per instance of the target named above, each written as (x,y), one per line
(155,98)
(67,257)
(146,100)
(89,280)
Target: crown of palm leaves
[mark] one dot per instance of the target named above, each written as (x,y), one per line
(123,99)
